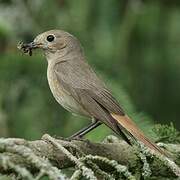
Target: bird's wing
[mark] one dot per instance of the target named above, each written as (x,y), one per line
(82,84)
(79,78)
(80,81)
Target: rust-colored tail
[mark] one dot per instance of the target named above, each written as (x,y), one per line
(131,127)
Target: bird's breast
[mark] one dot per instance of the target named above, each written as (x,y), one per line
(61,95)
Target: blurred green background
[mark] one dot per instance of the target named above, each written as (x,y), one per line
(133,45)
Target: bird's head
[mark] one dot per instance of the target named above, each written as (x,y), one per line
(53,42)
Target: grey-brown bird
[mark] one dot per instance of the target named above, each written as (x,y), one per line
(77,88)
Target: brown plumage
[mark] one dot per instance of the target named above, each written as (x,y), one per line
(131,127)
(78,89)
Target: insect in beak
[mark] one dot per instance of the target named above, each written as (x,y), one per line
(27,47)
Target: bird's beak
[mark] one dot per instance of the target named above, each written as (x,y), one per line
(31,45)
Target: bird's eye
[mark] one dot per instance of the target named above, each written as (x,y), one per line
(50,38)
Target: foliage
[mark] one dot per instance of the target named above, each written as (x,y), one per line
(167,133)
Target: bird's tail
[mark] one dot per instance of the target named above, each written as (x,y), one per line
(125,122)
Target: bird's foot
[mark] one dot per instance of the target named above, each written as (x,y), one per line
(71,138)
(76,138)
(59,137)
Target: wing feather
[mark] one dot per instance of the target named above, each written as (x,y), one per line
(83,85)
(77,78)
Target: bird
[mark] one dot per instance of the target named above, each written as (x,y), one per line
(77,88)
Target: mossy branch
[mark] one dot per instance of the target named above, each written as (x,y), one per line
(111,159)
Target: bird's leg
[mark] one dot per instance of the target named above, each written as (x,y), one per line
(95,123)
